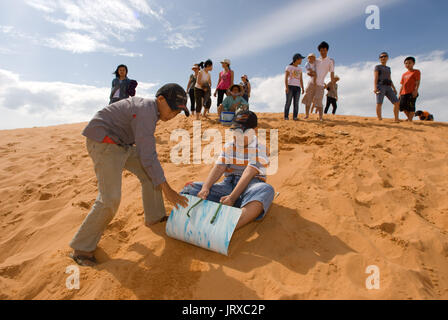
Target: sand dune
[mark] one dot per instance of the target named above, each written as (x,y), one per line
(353,192)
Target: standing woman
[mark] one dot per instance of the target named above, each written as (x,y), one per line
(190,86)
(203,83)
(246,85)
(122,86)
(293,85)
(225,81)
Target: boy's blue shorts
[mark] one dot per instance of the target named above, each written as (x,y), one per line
(257,190)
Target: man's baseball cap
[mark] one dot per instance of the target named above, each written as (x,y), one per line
(245,120)
(175,96)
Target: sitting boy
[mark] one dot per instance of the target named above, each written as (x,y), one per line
(244,167)
(424,115)
(233,102)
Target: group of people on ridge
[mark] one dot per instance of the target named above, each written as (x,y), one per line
(200,84)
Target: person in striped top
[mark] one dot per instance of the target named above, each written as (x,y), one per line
(243,162)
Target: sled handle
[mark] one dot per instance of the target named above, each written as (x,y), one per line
(216,214)
(188,212)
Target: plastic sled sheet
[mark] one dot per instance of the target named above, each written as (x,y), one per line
(204,223)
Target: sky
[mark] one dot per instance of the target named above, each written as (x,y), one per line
(57,57)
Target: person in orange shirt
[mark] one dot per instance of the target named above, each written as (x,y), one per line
(424,115)
(410,83)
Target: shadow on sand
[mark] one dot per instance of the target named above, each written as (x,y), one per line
(283,237)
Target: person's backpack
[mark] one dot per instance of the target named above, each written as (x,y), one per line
(131,88)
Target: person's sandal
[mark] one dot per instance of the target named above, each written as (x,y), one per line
(84,261)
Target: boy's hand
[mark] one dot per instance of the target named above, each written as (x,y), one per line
(415,94)
(228,200)
(214,94)
(203,194)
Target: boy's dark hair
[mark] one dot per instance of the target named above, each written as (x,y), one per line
(205,64)
(410,59)
(120,66)
(323,45)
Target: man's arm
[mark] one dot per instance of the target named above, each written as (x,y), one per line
(332,77)
(146,149)
(375,83)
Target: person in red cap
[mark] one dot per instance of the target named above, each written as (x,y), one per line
(121,136)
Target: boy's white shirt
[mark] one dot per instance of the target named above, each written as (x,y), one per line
(323,67)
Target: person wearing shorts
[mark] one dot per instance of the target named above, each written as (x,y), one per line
(384,87)
(324,65)
(410,83)
(244,166)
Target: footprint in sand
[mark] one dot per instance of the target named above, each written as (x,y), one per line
(45,196)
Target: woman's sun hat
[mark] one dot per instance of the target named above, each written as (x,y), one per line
(226,61)
(195,66)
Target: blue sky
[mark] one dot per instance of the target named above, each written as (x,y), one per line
(56,57)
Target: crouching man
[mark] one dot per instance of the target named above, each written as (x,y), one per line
(243,163)
(121,136)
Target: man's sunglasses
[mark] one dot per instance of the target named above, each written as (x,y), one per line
(384,57)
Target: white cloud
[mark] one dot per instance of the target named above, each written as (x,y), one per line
(296,21)
(80,43)
(41,5)
(38,103)
(178,40)
(101,25)
(356,88)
